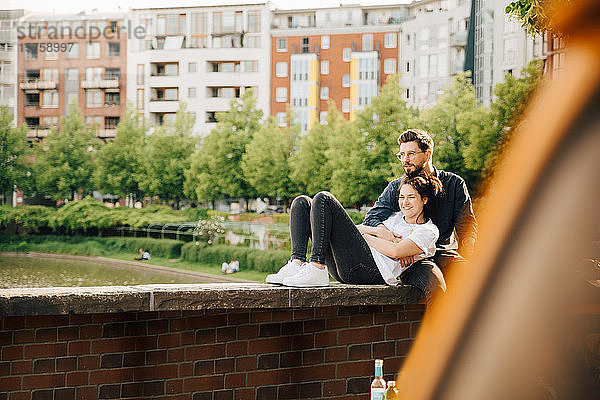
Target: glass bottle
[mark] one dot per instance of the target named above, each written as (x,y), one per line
(378,384)
(391,393)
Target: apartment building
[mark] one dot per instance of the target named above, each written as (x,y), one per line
(434,41)
(205,56)
(342,54)
(71,59)
(503,47)
(8,58)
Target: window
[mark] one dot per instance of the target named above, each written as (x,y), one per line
(433,65)
(323,117)
(254,21)
(72,50)
(281,44)
(112,99)
(346,80)
(111,122)
(281,94)
(224,66)
(93,74)
(112,74)
(191,92)
(32,99)
(50,99)
(228,21)
(93,98)
(390,40)
(211,117)
(31,51)
(162,69)
(367,42)
(281,119)
(199,37)
(389,66)
(93,120)
(305,45)
(252,42)
(140,74)
(324,42)
(140,99)
(49,74)
(49,54)
(192,67)
(300,70)
(50,121)
(346,54)
(423,67)
(93,50)
(251,66)
(72,74)
(346,105)
(324,93)
(324,67)
(114,49)
(407,95)
(165,94)
(408,66)
(170,24)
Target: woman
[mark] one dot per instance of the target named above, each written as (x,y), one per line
(354,254)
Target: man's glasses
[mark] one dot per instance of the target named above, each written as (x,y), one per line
(409,154)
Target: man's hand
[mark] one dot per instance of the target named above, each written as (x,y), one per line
(467,247)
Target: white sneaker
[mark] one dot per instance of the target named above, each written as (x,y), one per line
(289,269)
(309,276)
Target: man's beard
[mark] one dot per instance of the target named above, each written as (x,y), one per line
(417,170)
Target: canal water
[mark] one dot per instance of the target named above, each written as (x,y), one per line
(24,271)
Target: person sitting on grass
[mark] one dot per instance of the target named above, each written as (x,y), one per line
(354,254)
(144,255)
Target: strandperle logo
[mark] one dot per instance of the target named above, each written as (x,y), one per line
(83,31)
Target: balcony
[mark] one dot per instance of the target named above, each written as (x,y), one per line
(109,133)
(100,84)
(458,39)
(37,84)
(6,79)
(163,106)
(37,132)
(6,55)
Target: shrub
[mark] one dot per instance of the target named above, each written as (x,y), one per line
(259,260)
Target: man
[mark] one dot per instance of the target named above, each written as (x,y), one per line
(454,211)
(144,255)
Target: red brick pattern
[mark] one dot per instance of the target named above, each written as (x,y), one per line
(258,354)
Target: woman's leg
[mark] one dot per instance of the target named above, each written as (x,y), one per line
(337,243)
(300,227)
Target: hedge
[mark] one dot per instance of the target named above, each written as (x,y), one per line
(90,246)
(259,260)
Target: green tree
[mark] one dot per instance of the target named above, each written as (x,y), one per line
(216,169)
(511,97)
(373,163)
(13,150)
(266,161)
(310,169)
(449,122)
(167,157)
(63,163)
(536,16)
(120,163)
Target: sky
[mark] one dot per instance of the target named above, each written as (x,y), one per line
(69,6)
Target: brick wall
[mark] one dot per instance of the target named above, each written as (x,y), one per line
(320,352)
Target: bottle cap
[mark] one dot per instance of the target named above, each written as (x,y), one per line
(391,383)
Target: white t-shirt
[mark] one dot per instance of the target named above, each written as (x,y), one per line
(423,235)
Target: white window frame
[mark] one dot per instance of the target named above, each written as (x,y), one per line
(346,80)
(325,67)
(325,42)
(281,69)
(323,117)
(280,116)
(91,50)
(389,66)
(346,54)
(192,67)
(391,40)
(324,93)
(367,42)
(281,94)
(345,105)
(192,92)
(282,41)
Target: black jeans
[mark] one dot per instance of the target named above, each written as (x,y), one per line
(337,243)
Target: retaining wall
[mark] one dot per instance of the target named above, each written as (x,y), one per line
(212,341)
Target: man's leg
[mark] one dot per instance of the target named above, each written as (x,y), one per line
(425,275)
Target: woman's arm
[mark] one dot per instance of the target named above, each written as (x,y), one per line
(380,231)
(404,248)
